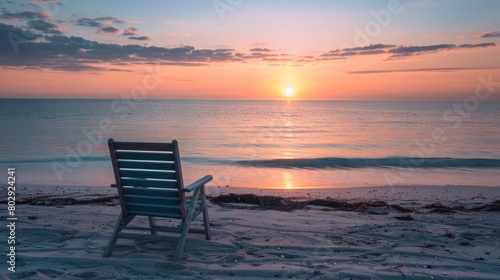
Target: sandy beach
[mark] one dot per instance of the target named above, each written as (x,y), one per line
(441,232)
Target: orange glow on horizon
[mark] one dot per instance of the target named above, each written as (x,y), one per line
(320,82)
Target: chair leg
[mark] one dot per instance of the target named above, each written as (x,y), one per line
(186,224)
(112,241)
(206,220)
(182,239)
(152,224)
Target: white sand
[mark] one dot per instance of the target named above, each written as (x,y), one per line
(67,242)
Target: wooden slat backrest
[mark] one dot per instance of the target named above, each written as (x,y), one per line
(148,178)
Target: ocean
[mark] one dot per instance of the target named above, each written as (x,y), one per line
(285,144)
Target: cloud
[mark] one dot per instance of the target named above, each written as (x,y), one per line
(348,52)
(141,38)
(45,26)
(179,35)
(26,15)
(168,21)
(36,21)
(372,47)
(489,34)
(402,51)
(69,53)
(130,31)
(275,59)
(99,21)
(470,46)
(451,69)
(411,50)
(88,22)
(60,52)
(110,19)
(9,31)
(110,30)
(396,52)
(260,50)
(45,2)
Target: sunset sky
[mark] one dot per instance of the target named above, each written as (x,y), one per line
(249,49)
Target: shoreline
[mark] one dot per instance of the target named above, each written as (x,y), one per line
(424,193)
(416,233)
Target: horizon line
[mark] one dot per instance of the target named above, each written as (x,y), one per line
(238,99)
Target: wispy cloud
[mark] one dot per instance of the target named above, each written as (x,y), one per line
(489,34)
(260,50)
(347,52)
(403,51)
(110,30)
(109,19)
(140,38)
(26,15)
(88,22)
(45,2)
(130,31)
(179,35)
(416,50)
(471,46)
(396,52)
(450,69)
(98,22)
(258,43)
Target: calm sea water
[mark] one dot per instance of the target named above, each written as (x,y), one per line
(262,144)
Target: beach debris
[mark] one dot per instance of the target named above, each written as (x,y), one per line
(51,201)
(404,218)
(252,201)
(448,234)
(463,242)
(402,209)
(258,202)
(439,208)
(493,206)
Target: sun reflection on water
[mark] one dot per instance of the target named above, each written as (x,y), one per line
(288,180)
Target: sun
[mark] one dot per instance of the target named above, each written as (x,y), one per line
(289,92)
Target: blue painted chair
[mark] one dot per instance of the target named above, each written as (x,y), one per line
(149,182)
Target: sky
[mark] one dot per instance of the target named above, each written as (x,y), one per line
(259,49)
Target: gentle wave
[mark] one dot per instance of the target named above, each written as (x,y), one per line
(57,159)
(312,163)
(393,162)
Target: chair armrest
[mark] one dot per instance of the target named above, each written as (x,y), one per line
(198,184)
(113,185)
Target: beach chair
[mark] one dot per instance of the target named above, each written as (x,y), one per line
(149,182)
